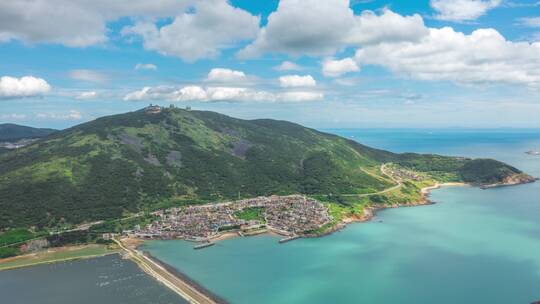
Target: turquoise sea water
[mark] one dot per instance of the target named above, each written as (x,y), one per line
(473,246)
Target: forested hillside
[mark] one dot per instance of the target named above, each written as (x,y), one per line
(125,163)
(13,132)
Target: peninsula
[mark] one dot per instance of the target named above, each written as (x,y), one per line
(168,173)
(174,170)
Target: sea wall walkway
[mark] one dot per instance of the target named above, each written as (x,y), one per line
(176,284)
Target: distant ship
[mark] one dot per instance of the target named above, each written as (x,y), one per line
(533,152)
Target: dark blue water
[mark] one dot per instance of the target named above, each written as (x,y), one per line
(108,279)
(473,246)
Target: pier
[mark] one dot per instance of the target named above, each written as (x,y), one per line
(203,245)
(288,239)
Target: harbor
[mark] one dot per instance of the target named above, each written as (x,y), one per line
(289,216)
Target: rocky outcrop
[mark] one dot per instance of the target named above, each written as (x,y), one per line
(511,180)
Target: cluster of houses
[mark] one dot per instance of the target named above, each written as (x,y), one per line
(403,174)
(295,215)
(287,215)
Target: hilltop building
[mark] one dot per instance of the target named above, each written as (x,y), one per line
(152,109)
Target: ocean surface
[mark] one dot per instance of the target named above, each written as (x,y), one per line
(473,246)
(107,279)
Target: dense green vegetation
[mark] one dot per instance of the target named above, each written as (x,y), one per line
(119,165)
(6,252)
(12,132)
(17,236)
(455,169)
(251,214)
(120,225)
(11,240)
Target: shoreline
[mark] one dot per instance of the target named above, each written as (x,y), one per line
(182,284)
(369,214)
(371,211)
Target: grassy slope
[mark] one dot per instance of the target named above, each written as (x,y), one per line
(121,164)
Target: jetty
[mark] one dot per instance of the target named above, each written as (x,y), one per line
(160,273)
(288,239)
(203,245)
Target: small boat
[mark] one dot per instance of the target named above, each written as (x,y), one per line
(533,152)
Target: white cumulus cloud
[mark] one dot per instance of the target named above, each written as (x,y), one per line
(335,68)
(293,81)
(225,75)
(462,10)
(27,86)
(75,23)
(288,66)
(301,96)
(314,27)
(484,56)
(219,94)
(212,25)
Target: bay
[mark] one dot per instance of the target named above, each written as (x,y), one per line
(473,246)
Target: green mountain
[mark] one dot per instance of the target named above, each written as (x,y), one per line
(13,132)
(121,164)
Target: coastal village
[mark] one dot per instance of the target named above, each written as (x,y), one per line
(402,174)
(290,216)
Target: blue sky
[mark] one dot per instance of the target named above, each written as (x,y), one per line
(331,63)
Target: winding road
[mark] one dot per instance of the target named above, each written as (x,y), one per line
(383,170)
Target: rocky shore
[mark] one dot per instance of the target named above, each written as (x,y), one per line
(370,212)
(512,180)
